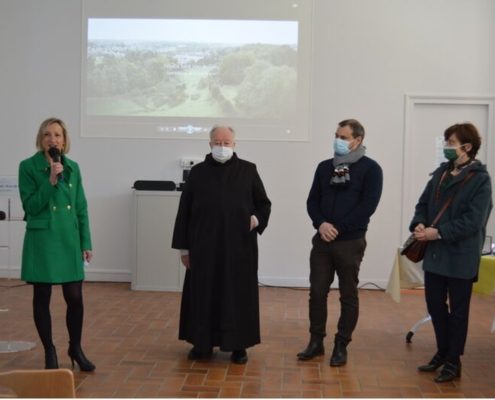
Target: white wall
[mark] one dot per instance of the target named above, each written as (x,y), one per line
(367,56)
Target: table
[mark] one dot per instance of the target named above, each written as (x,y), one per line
(11,239)
(155,265)
(406,274)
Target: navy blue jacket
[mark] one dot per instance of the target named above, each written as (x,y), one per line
(348,207)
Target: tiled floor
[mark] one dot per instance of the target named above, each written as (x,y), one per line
(132,339)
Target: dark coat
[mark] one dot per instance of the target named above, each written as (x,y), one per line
(57,226)
(462,226)
(220,304)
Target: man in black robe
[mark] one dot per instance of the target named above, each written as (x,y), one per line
(222,209)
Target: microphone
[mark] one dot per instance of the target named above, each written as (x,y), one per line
(54,153)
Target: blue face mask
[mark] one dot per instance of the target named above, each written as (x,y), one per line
(341,147)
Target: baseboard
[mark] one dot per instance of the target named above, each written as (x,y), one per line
(102,275)
(283,282)
(92,275)
(373,284)
(115,275)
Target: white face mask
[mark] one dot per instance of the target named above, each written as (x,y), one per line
(222,153)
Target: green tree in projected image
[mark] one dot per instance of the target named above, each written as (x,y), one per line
(191,79)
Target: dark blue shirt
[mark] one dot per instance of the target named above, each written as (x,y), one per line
(348,207)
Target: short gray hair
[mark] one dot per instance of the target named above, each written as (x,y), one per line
(221,126)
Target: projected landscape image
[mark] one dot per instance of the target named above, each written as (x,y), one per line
(191,68)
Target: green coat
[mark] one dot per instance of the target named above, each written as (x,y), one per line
(462,226)
(57,225)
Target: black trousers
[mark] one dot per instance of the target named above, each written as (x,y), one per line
(450,322)
(343,258)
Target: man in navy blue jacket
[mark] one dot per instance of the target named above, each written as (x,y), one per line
(345,193)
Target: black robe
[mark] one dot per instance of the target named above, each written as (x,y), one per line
(220,304)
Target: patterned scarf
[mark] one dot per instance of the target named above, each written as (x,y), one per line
(340,175)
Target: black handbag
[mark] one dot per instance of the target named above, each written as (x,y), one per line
(415,249)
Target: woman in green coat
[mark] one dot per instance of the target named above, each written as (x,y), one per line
(453,253)
(57,241)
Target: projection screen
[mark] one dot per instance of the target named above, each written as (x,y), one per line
(170,69)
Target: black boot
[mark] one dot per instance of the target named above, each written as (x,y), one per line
(339,354)
(450,371)
(315,348)
(195,354)
(76,354)
(436,362)
(51,361)
(239,356)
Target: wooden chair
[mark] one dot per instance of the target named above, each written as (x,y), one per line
(40,382)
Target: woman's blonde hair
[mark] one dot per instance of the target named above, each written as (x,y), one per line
(41,131)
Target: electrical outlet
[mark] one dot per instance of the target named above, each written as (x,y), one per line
(189,162)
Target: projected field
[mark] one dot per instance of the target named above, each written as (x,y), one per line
(191,68)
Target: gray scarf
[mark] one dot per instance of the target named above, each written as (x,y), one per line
(340,175)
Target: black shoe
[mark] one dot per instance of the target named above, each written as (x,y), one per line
(195,354)
(76,354)
(239,357)
(436,362)
(339,354)
(315,348)
(51,361)
(449,372)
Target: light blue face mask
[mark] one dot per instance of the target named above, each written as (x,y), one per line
(341,147)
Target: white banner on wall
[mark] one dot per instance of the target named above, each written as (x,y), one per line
(10,201)
(9,186)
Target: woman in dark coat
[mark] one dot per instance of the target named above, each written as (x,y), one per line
(57,241)
(453,253)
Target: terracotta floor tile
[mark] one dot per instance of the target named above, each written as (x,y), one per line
(312,394)
(194,379)
(270,394)
(236,378)
(200,388)
(291,394)
(216,375)
(251,388)
(224,384)
(132,338)
(310,373)
(207,395)
(236,370)
(332,390)
(230,392)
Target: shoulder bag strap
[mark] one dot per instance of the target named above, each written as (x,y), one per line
(451,199)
